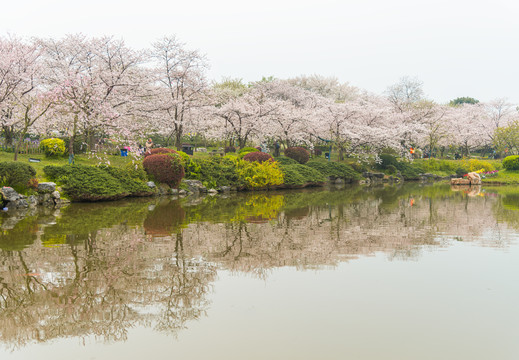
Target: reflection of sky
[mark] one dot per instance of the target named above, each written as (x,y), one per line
(459,303)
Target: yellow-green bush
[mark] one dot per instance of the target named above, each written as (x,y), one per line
(255,175)
(53,147)
(476,165)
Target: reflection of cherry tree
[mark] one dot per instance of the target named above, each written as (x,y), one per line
(100,287)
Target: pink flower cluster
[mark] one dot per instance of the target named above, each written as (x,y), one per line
(490,173)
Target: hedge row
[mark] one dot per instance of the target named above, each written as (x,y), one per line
(91,183)
(16,175)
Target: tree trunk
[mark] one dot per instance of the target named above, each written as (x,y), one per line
(8,135)
(178,137)
(73,137)
(20,142)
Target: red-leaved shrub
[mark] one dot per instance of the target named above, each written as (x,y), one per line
(159,151)
(299,154)
(165,168)
(230,149)
(318,152)
(33,184)
(258,156)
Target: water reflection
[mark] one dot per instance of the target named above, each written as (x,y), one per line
(101,269)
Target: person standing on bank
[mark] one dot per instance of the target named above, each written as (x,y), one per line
(149,144)
(276,148)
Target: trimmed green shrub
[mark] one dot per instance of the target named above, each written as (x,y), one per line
(410,171)
(292,177)
(391,169)
(92,183)
(359,167)
(334,169)
(190,166)
(283,160)
(247,150)
(134,185)
(16,175)
(299,154)
(258,156)
(216,170)
(136,170)
(86,183)
(298,174)
(159,151)
(433,164)
(165,168)
(52,147)
(511,162)
(387,160)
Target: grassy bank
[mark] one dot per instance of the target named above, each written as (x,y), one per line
(503,177)
(117,161)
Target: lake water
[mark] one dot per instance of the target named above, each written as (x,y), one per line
(408,272)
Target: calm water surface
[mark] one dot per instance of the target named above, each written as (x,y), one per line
(410,272)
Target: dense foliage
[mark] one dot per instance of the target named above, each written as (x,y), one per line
(91,183)
(68,83)
(511,162)
(477,165)
(258,156)
(131,181)
(16,175)
(410,171)
(216,170)
(247,150)
(165,168)
(387,160)
(159,151)
(136,170)
(334,170)
(283,160)
(256,175)
(53,147)
(299,154)
(298,175)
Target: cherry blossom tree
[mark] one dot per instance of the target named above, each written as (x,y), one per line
(405,92)
(500,113)
(433,122)
(244,117)
(181,86)
(296,111)
(98,80)
(328,87)
(467,126)
(19,67)
(362,127)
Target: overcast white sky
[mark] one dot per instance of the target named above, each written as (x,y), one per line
(457,47)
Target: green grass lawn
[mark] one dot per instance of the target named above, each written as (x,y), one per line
(504,177)
(81,159)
